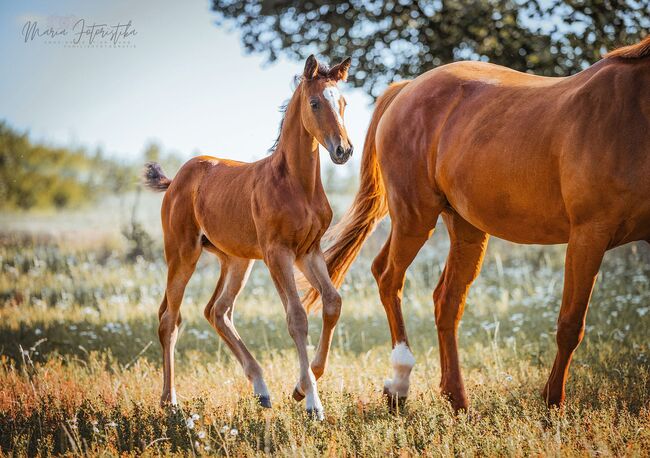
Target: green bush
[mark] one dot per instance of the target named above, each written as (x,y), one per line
(40,176)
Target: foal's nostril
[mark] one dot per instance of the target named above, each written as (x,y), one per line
(340,151)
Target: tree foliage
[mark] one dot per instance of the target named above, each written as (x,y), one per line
(401,39)
(40,176)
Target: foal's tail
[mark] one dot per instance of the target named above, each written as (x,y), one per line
(154,178)
(368,208)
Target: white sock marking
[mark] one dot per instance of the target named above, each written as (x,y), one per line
(402,355)
(403,361)
(312,400)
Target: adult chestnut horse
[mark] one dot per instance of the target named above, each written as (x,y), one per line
(522,157)
(274,209)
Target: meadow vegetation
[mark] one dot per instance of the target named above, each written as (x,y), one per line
(80,364)
(39,176)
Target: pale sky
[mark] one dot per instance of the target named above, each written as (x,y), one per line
(186,84)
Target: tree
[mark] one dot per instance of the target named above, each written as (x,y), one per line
(42,176)
(402,39)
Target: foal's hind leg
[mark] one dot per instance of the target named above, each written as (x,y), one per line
(585,251)
(466,251)
(219,312)
(181,262)
(408,234)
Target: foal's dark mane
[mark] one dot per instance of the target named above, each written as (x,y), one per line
(282,109)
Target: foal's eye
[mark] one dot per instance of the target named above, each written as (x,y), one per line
(314,104)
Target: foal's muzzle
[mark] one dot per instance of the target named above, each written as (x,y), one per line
(339,151)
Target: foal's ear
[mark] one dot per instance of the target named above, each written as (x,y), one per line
(311,68)
(340,72)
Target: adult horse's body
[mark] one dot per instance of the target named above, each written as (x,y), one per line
(525,158)
(274,209)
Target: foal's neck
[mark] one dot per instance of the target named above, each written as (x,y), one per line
(297,151)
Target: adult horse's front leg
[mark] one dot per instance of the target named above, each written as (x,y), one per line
(466,251)
(280,262)
(314,268)
(587,245)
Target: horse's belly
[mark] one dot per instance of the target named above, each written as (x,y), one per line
(236,245)
(532,228)
(515,209)
(230,228)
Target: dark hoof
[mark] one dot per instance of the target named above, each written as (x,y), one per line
(552,401)
(297,395)
(264,401)
(544,393)
(316,414)
(395,402)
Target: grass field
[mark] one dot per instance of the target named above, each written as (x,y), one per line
(80,363)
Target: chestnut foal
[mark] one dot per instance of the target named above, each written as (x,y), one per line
(274,209)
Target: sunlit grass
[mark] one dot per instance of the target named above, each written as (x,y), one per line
(81,368)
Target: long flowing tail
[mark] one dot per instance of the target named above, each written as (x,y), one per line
(368,208)
(154,178)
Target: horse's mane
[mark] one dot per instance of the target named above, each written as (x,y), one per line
(282,109)
(635,51)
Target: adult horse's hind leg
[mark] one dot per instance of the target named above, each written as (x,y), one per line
(587,245)
(466,251)
(219,312)
(181,261)
(410,230)
(314,267)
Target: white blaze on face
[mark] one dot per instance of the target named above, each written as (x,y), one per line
(333,96)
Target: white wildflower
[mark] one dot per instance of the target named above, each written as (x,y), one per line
(234,432)
(189,423)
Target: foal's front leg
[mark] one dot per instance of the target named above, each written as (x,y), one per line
(314,268)
(280,263)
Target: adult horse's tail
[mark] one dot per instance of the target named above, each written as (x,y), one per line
(368,208)
(154,178)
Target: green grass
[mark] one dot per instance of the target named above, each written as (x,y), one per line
(80,363)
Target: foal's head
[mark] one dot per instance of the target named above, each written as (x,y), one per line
(323,106)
